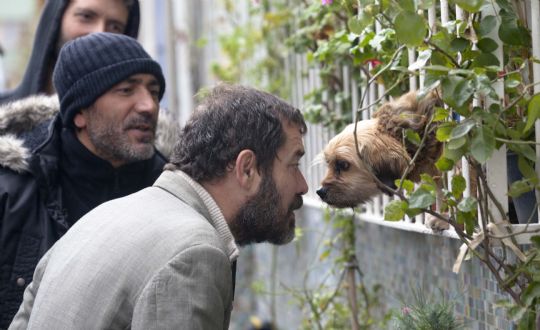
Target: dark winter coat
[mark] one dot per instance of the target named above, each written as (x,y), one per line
(44,50)
(32,201)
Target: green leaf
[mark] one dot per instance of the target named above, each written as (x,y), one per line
(487,25)
(459,44)
(422,59)
(469,223)
(421,199)
(527,169)
(511,31)
(407,5)
(468,204)
(457,143)
(454,155)
(410,28)
(443,133)
(440,68)
(441,114)
(511,83)
(463,92)
(358,23)
(408,185)
(533,112)
(463,128)
(395,210)
(458,185)
(482,144)
(444,164)
(520,187)
(531,292)
(471,6)
(486,60)
(487,45)
(536,241)
(413,137)
(448,86)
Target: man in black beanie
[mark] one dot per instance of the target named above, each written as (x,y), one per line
(100,147)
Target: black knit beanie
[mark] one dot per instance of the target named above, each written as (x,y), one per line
(89,66)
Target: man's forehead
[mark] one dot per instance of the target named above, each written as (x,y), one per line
(141,78)
(294,143)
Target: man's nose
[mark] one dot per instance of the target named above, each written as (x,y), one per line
(145,102)
(303,185)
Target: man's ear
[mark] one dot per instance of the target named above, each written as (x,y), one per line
(80,120)
(246,170)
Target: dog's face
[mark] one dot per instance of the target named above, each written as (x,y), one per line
(352,174)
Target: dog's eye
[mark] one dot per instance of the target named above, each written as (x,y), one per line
(341,165)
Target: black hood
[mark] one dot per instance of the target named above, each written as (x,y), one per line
(44,48)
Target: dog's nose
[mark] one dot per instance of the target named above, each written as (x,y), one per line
(322,192)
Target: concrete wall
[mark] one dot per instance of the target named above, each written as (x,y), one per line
(401,261)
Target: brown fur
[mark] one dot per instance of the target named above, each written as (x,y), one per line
(383,149)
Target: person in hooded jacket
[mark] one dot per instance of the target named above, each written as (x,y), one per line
(64,20)
(100,147)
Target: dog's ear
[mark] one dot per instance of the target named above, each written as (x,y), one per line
(386,157)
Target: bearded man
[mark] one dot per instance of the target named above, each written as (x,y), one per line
(99,147)
(165,257)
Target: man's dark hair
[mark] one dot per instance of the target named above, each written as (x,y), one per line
(229,119)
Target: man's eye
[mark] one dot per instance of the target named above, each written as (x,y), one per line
(116,28)
(125,90)
(84,16)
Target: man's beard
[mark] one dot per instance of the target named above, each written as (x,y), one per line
(112,142)
(261,218)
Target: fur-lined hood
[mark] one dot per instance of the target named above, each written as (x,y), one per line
(23,116)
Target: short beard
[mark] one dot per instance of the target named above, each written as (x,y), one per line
(261,218)
(112,142)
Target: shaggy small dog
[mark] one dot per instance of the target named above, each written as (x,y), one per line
(385,153)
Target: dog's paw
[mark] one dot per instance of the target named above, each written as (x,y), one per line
(436,224)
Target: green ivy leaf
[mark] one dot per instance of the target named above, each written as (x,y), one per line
(533,111)
(459,44)
(487,45)
(408,185)
(359,23)
(468,205)
(423,57)
(462,128)
(463,92)
(458,185)
(421,199)
(486,60)
(520,187)
(444,164)
(395,210)
(443,133)
(471,6)
(410,28)
(454,155)
(531,292)
(536,241)
(487,25)
(413,137)
(482,144)
(511,31)
(427,179)
(441,114)
(457,143)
